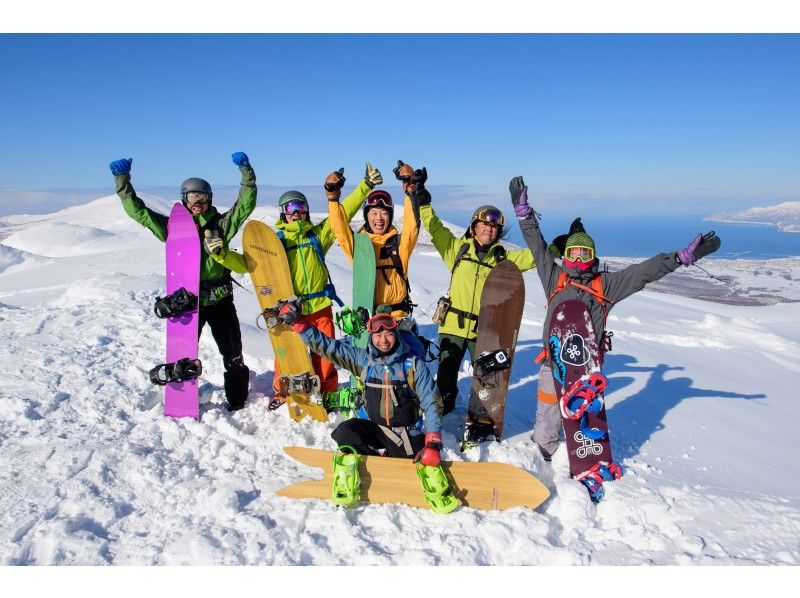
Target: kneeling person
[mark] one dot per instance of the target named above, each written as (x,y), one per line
(398,385)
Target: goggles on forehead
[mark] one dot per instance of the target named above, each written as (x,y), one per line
(380,198)
(380,322)
(294,206)
(196,198)
(578,253)
(491,216)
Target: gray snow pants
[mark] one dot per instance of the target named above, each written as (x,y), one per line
(548,415)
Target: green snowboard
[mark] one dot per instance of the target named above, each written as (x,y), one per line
(364,270)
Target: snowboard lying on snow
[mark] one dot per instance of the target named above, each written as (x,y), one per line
(480,485)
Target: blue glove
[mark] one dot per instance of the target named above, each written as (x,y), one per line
(240,159)
(122,166)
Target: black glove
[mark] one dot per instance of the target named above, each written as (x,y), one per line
(709,243)
(515,187)
(420,195)
(404,173)
(333,185)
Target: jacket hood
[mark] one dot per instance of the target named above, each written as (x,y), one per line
(380,239)
(205,217)
(298,226)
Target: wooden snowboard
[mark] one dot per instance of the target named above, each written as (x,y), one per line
(487,486)
(272,281)
(499,320)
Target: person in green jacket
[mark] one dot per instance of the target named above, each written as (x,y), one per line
(469,258)
(216,230)
(306,245)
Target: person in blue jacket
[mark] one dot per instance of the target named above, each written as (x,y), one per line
(398,385)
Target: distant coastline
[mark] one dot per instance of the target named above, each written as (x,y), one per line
(785,217)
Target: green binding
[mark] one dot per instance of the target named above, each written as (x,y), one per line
(343,400)
(352,322)
(346,490)
(436,487)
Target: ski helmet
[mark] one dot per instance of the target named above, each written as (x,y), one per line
(487,213)
(197,186)
(378,199)
(290,196)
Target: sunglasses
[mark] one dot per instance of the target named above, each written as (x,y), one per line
(196,198)
(379,198)
(381,322)
(491,216)
(295,206)
(577,253)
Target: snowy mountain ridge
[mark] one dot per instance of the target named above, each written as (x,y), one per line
(785,216)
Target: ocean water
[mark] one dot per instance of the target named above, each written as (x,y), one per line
(645,236)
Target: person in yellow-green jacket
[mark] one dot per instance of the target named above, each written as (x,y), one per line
(306,245)
(469,258)
(392,247)
(216,229)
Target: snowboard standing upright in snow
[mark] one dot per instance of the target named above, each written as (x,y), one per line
(272,282)
(499,319)
(215,296)
(183,272)
(570,384)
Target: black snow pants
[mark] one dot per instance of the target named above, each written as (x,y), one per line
(367,438)
(224,323)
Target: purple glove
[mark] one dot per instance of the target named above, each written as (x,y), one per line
(686,255)
(519,197)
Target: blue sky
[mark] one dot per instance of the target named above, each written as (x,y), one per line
(650,119)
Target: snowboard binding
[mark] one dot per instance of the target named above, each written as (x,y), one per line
(352,322)
(301,383)
(271,315)
(175,304)
(437,490)
(346,487)
(489,363)
(344,400)
(585,398)
(594,478)
(180,371)
(478,431)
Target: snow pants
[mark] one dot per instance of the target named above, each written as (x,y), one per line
(451,354)
(224,323)
(368,438)
(547,427)
(322,320)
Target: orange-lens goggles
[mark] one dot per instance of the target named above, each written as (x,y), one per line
(381,322)
(577,253)
(195,198)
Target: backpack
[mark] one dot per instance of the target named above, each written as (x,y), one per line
(328,290)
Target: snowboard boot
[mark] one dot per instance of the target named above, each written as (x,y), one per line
(448,403)
(547,456)
(346,488)
(237,384)
(436,487)
(595,488)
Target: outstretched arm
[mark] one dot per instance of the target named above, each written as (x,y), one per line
(340,224)
(134,207)
(529,224)
(245,203)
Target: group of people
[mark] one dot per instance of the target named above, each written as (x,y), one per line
(398,384)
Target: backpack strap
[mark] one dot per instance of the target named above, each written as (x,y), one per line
(328,290)
(390,250)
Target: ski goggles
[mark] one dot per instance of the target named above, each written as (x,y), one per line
(380,322)
(379,198)
(490,216)
(196,198)
(578,253)
(295,206)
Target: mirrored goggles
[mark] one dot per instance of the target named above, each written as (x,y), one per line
(381,322)
(491,216)
(577,253)
(295,206)
(196,198)
(380,198)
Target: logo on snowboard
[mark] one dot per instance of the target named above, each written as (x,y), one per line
(586,446)
(573,351)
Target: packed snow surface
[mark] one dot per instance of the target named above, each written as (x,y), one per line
(702,406)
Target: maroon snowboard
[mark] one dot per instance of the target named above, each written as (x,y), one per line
(499,319)
(575,356)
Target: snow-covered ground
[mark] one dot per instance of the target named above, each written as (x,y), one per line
(703,412)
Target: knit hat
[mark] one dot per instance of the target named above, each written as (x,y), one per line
(579,239)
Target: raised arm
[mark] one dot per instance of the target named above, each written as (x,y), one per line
(134,207)
(245,203)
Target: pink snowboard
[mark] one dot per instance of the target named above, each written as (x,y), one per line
(183,270)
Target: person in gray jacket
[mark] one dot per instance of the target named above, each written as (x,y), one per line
(599,290)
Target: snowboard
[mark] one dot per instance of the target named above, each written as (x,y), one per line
(272,282)
(499,320)
(182,270)
(575,355)
(364,272)
(480,485)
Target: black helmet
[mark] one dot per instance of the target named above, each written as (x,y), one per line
(196,185)
(378,199)
(487,213)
